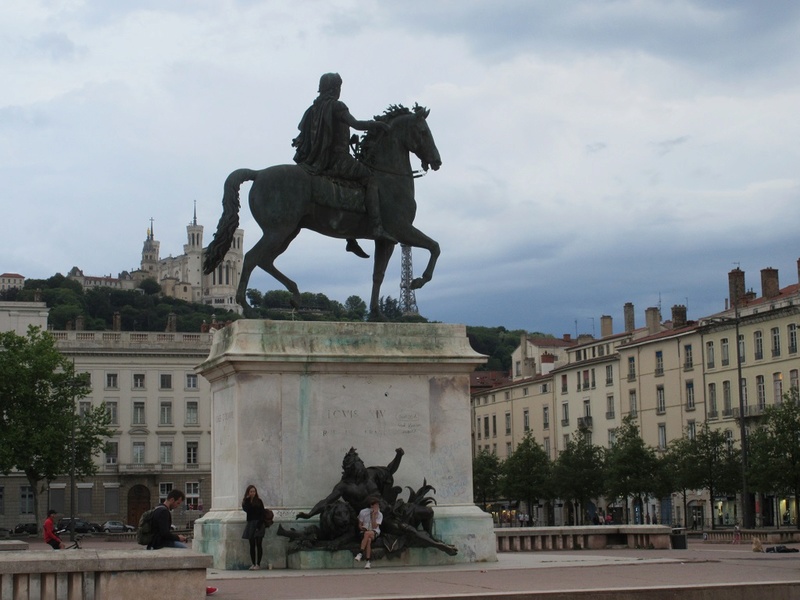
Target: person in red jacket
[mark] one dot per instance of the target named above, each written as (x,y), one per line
(50,536)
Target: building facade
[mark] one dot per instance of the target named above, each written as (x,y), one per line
(160,417)
(10,281)
(671,377)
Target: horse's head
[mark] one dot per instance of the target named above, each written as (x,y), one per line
(420,139)
(409,132)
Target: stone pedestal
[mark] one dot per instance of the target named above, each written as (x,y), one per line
(290,398)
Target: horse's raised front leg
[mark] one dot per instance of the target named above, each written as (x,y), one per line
(383,252)
(414,237)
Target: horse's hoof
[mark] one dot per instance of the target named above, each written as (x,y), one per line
(417,283)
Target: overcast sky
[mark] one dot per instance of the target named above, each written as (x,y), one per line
(594,152)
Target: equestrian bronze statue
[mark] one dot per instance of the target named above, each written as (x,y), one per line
(368,197)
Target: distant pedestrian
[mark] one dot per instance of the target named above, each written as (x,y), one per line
(737,535)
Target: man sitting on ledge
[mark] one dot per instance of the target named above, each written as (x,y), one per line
(162,527)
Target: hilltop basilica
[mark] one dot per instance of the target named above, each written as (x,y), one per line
(180,276)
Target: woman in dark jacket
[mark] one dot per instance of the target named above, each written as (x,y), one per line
(256,527)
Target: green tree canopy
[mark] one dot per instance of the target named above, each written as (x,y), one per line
(631,465)
(774,450)
(578,472)
(718,462)
(485,477)
(38,392)
(526,473)
(680,470)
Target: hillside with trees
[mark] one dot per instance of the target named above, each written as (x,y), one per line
(146,309)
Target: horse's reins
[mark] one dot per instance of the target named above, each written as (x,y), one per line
(415,174)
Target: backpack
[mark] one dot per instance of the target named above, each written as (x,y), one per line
(144,533)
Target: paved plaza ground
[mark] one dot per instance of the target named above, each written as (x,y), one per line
(515,575)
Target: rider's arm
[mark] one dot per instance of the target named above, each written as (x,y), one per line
(344,113)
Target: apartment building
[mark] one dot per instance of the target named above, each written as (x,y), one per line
(671,376)
(160,412)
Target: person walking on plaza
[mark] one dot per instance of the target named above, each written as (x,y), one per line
(162,527)
(256,527)
(49,528)
(369,521)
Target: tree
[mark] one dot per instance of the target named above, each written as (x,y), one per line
(578,473)
(39,424)
(719,467)
(485,477)
(774,449)
(150,287)
(355,308)
(526,473)
(681,470)
(631,466)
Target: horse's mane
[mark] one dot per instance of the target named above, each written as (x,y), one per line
(368,140)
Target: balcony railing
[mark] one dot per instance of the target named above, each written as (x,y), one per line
(585,422)
(750,411)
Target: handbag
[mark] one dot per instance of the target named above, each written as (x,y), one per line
(269,517)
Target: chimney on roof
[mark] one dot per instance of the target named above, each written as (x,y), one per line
(548,363)
(798,270)
(652,318)
(567,337)
(736,286)
(606,326)
(630,320)
(678,316)
(769,283)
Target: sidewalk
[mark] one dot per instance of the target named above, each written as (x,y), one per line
(517,575)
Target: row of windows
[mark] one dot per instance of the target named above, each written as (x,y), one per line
(661,404)
(758,346)
(138,414)
(165,453)
(138,381)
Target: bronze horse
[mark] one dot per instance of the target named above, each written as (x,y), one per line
(285,199)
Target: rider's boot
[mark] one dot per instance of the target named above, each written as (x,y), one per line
(374,212)
(355,248)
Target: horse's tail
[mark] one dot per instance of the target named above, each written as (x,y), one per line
(229,220)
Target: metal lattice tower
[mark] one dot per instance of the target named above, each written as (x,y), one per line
(408,299)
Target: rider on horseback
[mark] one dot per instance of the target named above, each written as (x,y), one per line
(323,149)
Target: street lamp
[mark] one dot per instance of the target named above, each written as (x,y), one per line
(747,521)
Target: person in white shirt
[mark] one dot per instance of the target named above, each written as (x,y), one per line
(369,522)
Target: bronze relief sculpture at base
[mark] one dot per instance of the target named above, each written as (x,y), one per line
(406,523)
